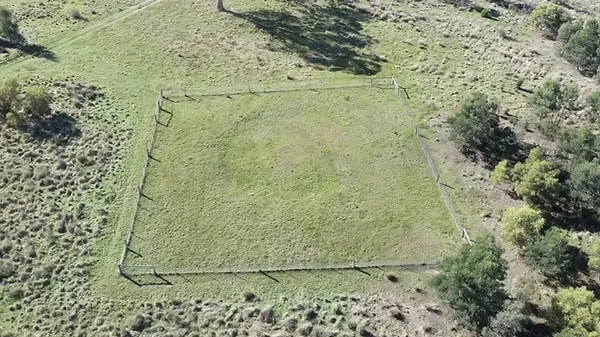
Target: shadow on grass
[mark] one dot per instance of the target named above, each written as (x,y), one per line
(503,144)
(58,127)
(34,50)
(325,36)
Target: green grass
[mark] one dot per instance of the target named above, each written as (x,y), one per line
(289,179)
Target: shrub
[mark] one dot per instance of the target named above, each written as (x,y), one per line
(580,43)
(521,225)
(548,19)
(36,103)
(550,254)
(582,143)
(593,101)
(519,83)
(535,178)
(76,14)
(501,173)
(9,101)
(9,29)
(553,96)
(509,322)
(594,256)
(577,310)
(472,282)
(585,184)
(474,124)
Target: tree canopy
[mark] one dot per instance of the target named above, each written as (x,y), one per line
(9,29)
(535,178)
(521,225)
(580,44)
(473,282)
(550,254)
(577,311)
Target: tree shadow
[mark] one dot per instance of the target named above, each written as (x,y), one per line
(504,145)
(328,37)
(59,127)
(35,50)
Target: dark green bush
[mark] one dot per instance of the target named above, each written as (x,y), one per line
(553,96)
(548,19)
(550,254)
(580,45)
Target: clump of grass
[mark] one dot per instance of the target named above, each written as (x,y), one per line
(391,278)
(74,13)
(249,297)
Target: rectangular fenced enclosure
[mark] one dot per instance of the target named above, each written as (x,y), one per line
(287,176)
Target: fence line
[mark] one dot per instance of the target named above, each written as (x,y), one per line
(152,270)
(140,187)
(270,88)
(436,175)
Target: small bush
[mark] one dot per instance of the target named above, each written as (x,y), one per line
(36,103)
(582,143)
(9,100)
(472,126)
(594,256)
(580,45)
(501,173)
(519,83)
(535,179)
(553,96)
(76,14)
(509,322)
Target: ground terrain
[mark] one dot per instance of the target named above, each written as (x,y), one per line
(67,195)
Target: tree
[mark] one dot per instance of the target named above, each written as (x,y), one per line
(576,309)
(509,322)
(8,27)
(585,184)
(9,101)
(501,173)
(548,19)
(472,282)
(474,125)
(535,178)
(521,225)
(553,96)
(580,43)
(550,254)
(36,103)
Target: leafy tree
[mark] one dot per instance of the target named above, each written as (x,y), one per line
(593,101)
(553,96)
(509,322)
(8,27)
(583,144)
(585,184)
(521,225)
(472,282)
(473,126)
(548,19)
(501,173)
(594,256)
(577,310)
(535,178)
(550,254)
(36,103)
(9,100)
(581,43)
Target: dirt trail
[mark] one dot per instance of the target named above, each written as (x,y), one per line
(69,38)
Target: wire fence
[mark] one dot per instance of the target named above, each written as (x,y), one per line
(436,174)
(174,94)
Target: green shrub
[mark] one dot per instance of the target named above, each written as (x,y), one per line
(521,225)
(582,143)
(501,173)
(36,103)
(593,101)
(9,100)
(474,124)
(535,178)
(550,254)
(553,96)
(580,45)
(548,19)
(472,282)
(577,310)
(594,256)
(585,184)
(509,322)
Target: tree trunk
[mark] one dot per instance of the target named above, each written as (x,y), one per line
(220,7)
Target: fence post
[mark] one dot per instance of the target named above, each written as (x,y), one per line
(120,269)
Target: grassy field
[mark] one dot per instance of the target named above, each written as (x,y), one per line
(436,50)
(288,179)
